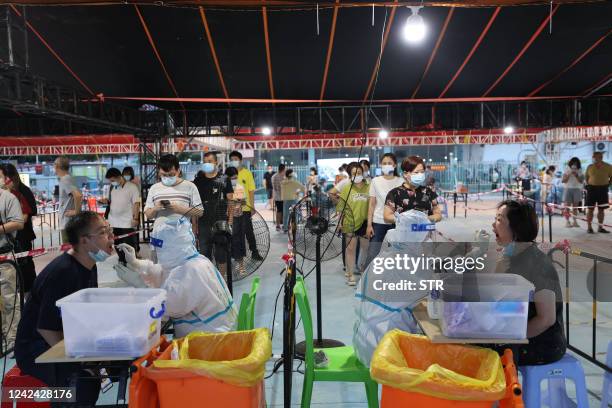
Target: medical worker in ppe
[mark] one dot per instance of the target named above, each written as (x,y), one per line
(381,309)
(197,296)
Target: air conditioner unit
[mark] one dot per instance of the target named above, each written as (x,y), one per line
(599,146)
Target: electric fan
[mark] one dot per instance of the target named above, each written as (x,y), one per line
(240,235)
(319,224)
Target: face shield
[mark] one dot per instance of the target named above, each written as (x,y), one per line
(173,241)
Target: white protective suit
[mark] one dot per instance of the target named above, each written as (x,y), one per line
(197,297)
(377,315)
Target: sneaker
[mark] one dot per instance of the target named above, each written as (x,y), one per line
(575,224)
(351,281)
(278,228)
(590,230)
(603,230)
(256,257)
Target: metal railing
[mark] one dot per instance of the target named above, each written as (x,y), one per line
(592,357)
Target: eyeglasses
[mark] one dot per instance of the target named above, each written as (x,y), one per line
(103,231)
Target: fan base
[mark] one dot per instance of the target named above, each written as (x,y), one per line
(300,348)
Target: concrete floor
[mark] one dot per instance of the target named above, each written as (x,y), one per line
(338,304)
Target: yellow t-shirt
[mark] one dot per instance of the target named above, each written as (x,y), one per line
(245,178)
(599,176)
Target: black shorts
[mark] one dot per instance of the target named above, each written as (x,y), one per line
(597,195)
(361,232)
(269,194)
(279,206)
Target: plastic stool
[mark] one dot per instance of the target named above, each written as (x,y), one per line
(556,373)
(606,392)
(14,378)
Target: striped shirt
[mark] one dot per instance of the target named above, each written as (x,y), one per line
(184,193)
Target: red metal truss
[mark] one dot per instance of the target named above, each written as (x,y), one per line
(264,14)
(213,51)
(85,149)
(337,141)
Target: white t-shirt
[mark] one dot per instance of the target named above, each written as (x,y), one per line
(122,203)
(184,193)
(379,188)
(573,182)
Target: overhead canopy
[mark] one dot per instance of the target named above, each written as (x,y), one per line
(276,52)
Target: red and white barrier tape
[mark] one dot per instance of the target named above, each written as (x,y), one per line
(62,248)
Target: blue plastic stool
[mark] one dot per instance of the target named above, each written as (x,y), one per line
(606,392)
(556,374)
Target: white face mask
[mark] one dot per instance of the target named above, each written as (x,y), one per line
(234,182)
(387,169)
(358,179)
(127,177)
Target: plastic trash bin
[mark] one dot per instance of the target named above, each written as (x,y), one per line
(412,369)
(106,322)
(213,369)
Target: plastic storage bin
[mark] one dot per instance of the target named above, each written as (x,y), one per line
(110,322)
(491,305)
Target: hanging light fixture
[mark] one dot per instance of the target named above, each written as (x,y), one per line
(266,131)
(508,130)
(383,134)
(415,28)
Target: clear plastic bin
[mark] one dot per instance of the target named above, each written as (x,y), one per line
(122,322)
(483,306)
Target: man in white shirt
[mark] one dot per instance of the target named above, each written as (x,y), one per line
(123,202)
(70,196)
(173,195)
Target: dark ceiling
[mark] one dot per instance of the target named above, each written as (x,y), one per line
(108,49)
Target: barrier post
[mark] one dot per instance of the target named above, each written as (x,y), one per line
(550,223)
(542,218)
(455,204)
(594,309)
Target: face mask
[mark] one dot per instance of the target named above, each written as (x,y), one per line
(208,167)
(574,168)
(417,179)
(127,177)
(312,173)
(99,256)
(234,182)
(509,249)
(387,169)
(115,183)
(366,173)
(358,179)
(168,181)
(234,163)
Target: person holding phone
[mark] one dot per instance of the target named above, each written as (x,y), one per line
(173,195)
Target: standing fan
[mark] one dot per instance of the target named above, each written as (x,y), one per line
(320,222)
(229,230)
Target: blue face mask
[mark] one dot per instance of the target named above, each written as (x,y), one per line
(115,183)
(208,167)
(417,179)
(127,177)
(234,163)
(509,249)
(168,181)
(99,256)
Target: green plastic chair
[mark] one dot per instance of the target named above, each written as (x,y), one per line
(246,313)
(343,364)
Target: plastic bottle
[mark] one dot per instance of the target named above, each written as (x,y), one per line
(434,304)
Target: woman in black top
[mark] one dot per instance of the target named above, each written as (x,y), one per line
(413,194)
(516,228)
(26,235)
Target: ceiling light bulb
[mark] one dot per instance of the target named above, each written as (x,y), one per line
(266,131)
(415,28)
(508,130)
(383,134)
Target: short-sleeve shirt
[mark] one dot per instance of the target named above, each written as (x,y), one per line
(538,269)
(245,177)
(122,203)
(213,190)
(379,188)
(10,210)
(184,193)
(277,178)
(402,199)
(572,181)
(66,198)
(60,278)
(599,176)
(268,177)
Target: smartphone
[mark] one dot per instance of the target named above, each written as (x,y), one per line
(121,255)
(165,203)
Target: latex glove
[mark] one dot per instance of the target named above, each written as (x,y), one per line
(130,256)
(152,276)
(481,241)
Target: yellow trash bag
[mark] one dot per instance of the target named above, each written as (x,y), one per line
(236,358)
(412,363)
